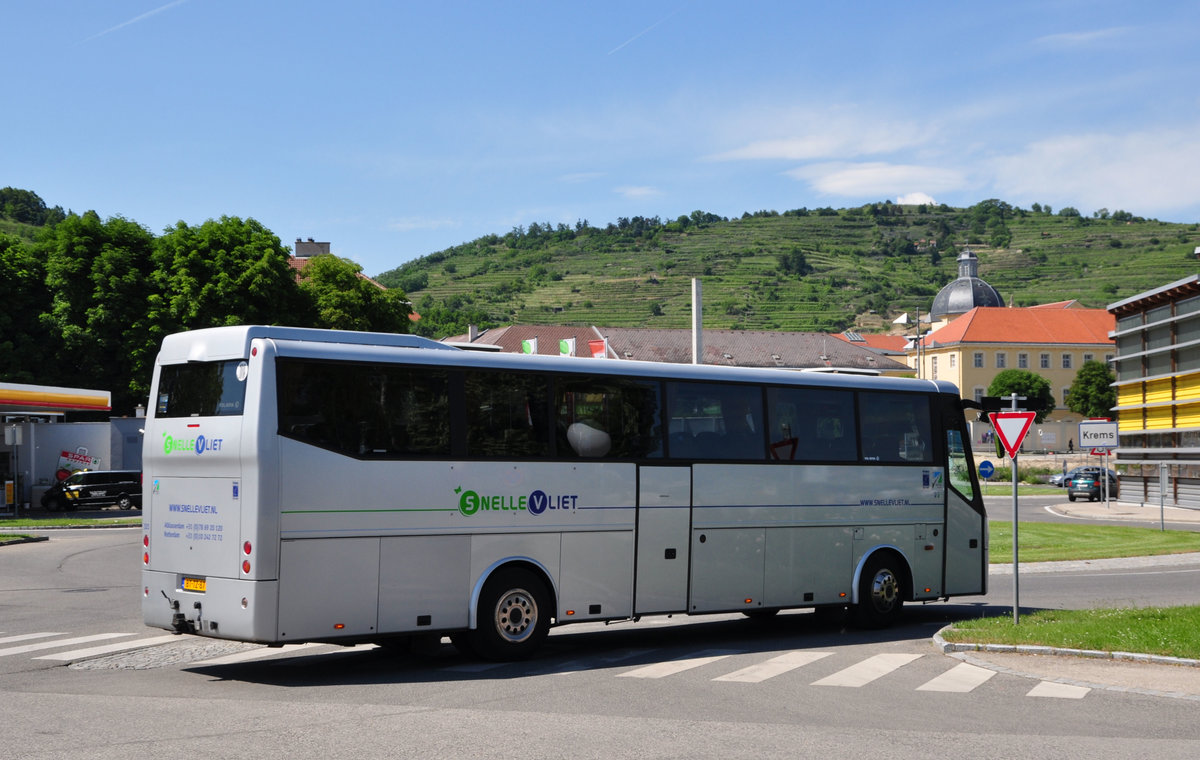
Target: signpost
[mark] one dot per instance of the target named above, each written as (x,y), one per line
(1100,433)
(1011,428)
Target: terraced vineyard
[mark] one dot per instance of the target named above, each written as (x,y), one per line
(801,270)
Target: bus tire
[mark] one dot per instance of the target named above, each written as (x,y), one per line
(514,615)
(880,592)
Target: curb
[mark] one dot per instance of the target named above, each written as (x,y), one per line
(24,540)
(963,650)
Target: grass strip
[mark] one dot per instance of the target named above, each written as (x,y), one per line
(1165,631)
(66,522)
(1051,542)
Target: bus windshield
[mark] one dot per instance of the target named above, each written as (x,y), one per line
(202,389)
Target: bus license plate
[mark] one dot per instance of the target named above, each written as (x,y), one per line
(193,584)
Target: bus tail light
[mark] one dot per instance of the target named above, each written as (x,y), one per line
(146,549)
(246,549)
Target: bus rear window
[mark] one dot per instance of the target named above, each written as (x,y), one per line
(201,389)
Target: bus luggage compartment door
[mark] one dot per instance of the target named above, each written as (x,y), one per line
(663,522)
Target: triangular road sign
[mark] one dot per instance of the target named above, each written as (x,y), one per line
(1011,428)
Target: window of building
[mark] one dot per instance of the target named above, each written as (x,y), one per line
(1001,360)
(1065,391)
(1108,359)
(1066,361)
(1022,361)
(1045,361)
(952,360)
(979,359)
(933,366)
(978,394)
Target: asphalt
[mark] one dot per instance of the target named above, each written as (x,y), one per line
(1085,669)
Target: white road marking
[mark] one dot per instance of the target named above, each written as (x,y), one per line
(774,667)
(960,679)
(868,670)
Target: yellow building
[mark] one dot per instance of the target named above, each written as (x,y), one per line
(1053,341)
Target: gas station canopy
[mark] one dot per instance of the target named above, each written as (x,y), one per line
(16,398)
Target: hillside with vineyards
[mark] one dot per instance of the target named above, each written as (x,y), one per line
(797,270)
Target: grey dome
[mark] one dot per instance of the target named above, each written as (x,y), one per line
(966,292)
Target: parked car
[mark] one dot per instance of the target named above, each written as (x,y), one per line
(1090,483)
(95,488)
(1061,479)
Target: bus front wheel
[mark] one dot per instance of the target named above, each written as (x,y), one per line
(514,616)
(880,592)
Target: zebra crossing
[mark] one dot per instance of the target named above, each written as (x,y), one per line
(961,678)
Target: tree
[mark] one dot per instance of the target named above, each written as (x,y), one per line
(225,272)
(98,272)
(24,339)
(1034,387)
(1091,393)
(343,300)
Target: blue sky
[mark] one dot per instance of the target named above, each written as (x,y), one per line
(396,129)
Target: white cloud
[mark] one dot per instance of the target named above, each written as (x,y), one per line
(806,135)
(1149,173)
(1080,39)
(637,191)
(916,199)
(877,178)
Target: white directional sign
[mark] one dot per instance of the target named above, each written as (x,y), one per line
(1097,434)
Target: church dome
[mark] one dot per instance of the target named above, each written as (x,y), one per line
(966,292)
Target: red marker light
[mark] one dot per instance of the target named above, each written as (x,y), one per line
(146,541)
(146,558)
(246,566)
(246,548)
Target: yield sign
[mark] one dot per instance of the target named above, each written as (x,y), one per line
(1011,428)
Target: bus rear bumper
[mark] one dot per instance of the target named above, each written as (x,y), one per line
(226,608)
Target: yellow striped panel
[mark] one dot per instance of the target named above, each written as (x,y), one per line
(1187,415)
(1158,390)
(1158,418)
(1129,395)
(1187,387)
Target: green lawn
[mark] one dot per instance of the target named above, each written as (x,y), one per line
(1167,631)
(1048,542)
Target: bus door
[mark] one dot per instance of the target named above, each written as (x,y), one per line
(663,527)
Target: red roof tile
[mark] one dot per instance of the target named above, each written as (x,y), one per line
(1075,326)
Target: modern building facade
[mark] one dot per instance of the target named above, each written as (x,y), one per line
(1157,336)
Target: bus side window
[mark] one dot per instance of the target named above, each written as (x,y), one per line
(506,414)
(814,425)
(895,427)
(715,421)
(607,417)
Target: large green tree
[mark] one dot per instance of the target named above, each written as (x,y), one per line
(24,337)
(98,273)
(1091,393)
(225,272)
(344,300)
(1035,388)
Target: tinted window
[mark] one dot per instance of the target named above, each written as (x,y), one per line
(811,425)
(607,417)
(507,414)
(711,421)
(365,410)
(895,427)
(201,389)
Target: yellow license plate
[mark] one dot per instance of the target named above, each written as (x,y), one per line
(193,584)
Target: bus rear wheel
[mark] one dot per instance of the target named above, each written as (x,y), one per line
(514,616)
(880,592)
